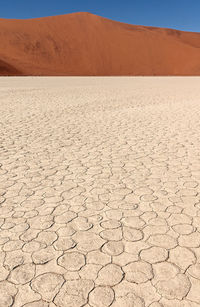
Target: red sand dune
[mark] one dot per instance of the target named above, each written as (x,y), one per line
(86,44)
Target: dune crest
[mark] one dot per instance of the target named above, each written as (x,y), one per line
(86,44)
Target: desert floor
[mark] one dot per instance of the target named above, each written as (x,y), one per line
(100,192)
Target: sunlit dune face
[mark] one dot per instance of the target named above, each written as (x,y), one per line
(86,44)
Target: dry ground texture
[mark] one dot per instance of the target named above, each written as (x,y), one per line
(100,192)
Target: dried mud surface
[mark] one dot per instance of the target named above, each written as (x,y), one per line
(99,192)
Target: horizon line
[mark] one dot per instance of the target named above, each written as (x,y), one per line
(85,12)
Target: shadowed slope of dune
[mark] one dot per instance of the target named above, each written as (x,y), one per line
(86,44)
(8,70)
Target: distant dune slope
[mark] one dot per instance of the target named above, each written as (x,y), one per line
(86,44)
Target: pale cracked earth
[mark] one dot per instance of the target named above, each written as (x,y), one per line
(100,192)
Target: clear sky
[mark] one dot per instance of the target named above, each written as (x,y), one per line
(178,14)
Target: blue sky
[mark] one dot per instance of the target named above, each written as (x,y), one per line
(178,14)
